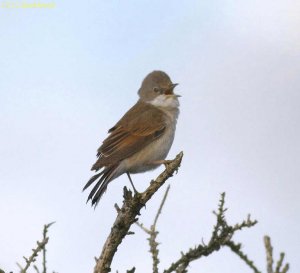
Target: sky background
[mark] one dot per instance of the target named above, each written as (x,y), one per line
(68,74)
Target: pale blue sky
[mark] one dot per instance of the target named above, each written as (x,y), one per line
(69,73)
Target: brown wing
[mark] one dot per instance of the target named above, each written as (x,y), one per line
(138,127)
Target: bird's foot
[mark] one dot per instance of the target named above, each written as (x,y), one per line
(167,165)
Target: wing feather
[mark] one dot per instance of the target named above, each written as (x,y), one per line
(131,134)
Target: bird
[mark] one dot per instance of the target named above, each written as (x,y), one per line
(140,141)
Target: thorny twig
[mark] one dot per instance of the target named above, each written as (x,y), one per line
(41,246)
(269,254)
(153,234)
(236,248)
(45,230)
(221,235)
(131,270)
(36,268)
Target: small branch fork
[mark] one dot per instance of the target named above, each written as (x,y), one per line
(269,253)
(236,248)
(128,213)
(221,236)
(41,247)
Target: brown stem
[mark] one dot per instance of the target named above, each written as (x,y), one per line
(127,215)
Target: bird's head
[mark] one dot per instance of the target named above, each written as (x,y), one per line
(157,88)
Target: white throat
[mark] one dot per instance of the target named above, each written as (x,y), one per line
(165,101)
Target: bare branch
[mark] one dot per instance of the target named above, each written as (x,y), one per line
(35,252)
(279,263)
(161,206)
(40,247)
(153,234)
(131,270)
(285,269)
(45,230)
(221,235)
(128,215)
(148,231)
(36,268)
(236,248)
(269,254)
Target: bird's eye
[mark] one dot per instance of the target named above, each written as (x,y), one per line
(156,89)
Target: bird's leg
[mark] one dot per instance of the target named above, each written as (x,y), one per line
(134,189)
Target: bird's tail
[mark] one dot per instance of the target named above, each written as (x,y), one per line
(105,176)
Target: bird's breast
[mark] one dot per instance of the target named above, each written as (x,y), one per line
(157,150)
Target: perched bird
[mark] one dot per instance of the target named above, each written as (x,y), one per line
(142,138)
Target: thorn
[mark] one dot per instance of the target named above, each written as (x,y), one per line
(117,208)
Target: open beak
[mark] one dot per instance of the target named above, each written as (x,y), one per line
(172,88)
(174,85)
